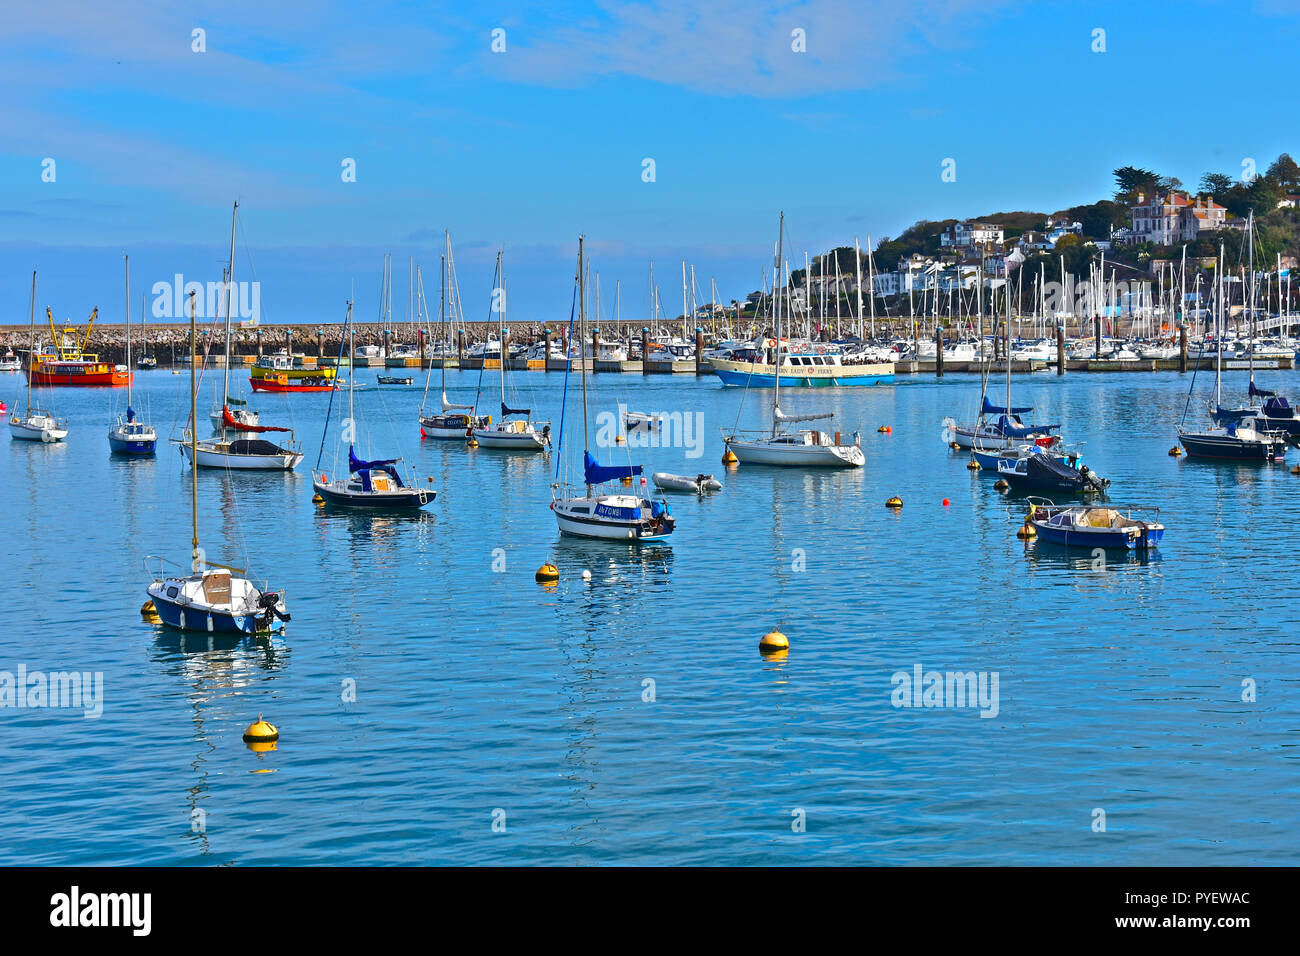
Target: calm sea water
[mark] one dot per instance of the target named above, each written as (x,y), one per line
(483,696)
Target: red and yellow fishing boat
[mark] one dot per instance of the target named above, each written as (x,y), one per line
(65,362)
(277,373)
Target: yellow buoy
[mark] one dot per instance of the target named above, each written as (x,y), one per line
(316,499)
(1027,530)
(1001,485)
(1175,451)
(1295,470)
(894,502)
(954,446)
(618,439)
(260,731)
(729,457)
(547,573)
(472,443)
(149,612)
(627,480)
(973,465)
(773,640)
(884,429)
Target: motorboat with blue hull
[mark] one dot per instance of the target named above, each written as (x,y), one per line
(215,600)
(1039,471)
(1095,526)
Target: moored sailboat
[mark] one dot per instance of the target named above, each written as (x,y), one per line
(515,430)
(452,422)
(212,597)
(36,424)
(604,512)
(367,484)
(128,436)
(796,447)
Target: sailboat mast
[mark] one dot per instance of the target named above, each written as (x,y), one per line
(126,260)
(776,310)
(582,337)
(442,317)
(352,419)
(501,331)
(194,444)
(31,346)
(230,282)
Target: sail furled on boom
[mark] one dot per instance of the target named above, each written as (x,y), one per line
(812,417)
(594,473)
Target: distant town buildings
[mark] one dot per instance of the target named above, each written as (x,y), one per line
(969,236)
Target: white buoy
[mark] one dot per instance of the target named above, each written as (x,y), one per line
(586,575)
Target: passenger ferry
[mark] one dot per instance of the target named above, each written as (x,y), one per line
(804,365)
(278,373)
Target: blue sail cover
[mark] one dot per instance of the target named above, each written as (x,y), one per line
(991,409)
(1011,428)
(363,469)
(130,413)
(1261,392)
(594,473)
(507,411)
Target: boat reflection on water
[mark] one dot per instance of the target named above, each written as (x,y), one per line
(218,674)
(617,564)
(1046,556)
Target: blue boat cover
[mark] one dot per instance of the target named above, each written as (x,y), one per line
(1261,392)
(363,469)
(991,409)
(507,411)
(658,509)
(130,414)
(594,473)
(1277,408)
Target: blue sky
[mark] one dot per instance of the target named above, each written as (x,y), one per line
(525,149)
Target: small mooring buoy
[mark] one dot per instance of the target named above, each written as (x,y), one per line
(150,613)
(729,457)
(1027,531)
(316,499)
(954,446)
(1001,485)
(547,574)
(885,429)
(472,443)
(894,502)
(973,465)
(773,640)
(261,732)
(946,502)
(1295,469)
(1175,452)
(586,575)
(618,439)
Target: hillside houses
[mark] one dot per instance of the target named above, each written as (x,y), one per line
(1173,217)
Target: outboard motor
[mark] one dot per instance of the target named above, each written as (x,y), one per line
(272,607)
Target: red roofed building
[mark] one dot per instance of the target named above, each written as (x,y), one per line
(1175,217)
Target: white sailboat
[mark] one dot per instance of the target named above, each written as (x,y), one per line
(240,413)
(128,436)
(36,424)
(367,484)
(212,597)
(455,422)
(792,447)
(601,511)
(514,431)
(228,450)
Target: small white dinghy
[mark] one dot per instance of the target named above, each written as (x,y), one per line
(698,485)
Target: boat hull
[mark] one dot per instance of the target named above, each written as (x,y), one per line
(192,617)
(266,385)
(1225,449)
(577,527)
(400,499)
(1098,538)
(48,434)
(512,441)
(75,375)
(798,456)
(211,458)
(764,376)
(132,446)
